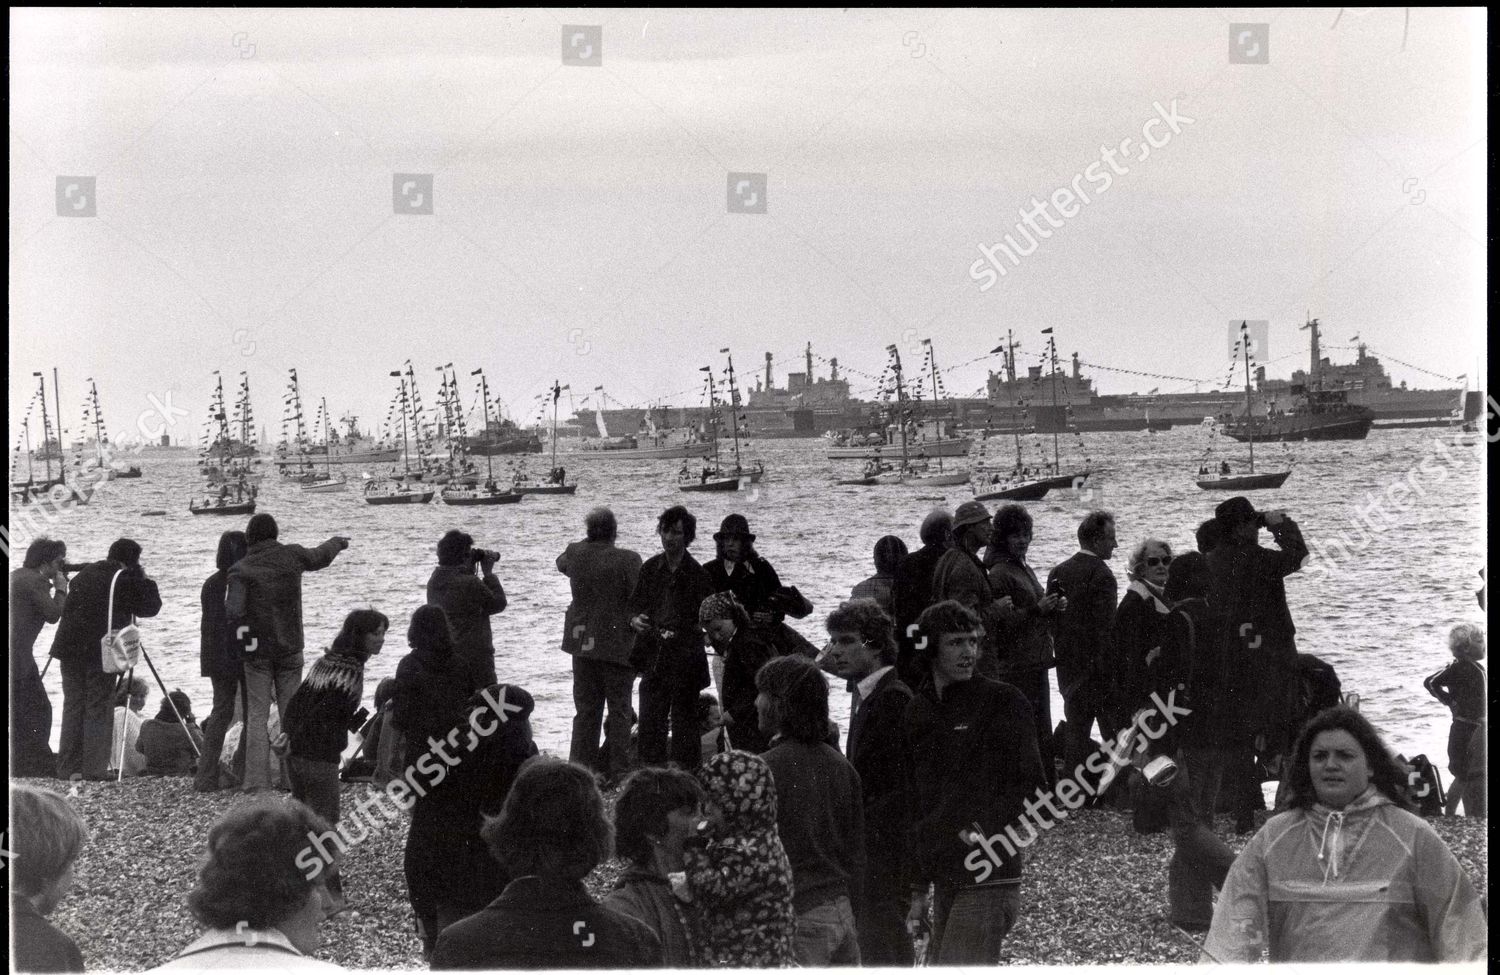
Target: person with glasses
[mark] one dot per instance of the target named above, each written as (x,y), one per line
(1140,623)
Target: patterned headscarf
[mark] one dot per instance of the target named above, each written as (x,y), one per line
(721,606)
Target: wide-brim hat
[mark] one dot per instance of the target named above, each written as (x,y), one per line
(1235,511)
(734,525)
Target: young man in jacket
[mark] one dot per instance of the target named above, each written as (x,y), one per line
(669,643)
(38,593)
(464,584)
(862,650)
(1087,673)
(596,632)
(972,746)
(264,608)
(88,692)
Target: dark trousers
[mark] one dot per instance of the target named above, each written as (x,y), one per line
(667,700)
(880,916)
(1200,860)
(597,684)
(970,923)
(1033,683)
(1084,701)
(316,785)
(227,690)
(88,724)
(31,729)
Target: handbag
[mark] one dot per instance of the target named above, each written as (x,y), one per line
(119,650)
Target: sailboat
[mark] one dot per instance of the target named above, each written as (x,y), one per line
(877,470)
(235,495)
(101,441)
(1057,477)
(557,478)
(52,493)
(1018,484)
(920,472)
(402,489)
(714,476)
(1227,481)
(489,492)
(325,483)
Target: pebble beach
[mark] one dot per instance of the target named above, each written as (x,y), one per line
(1094,893)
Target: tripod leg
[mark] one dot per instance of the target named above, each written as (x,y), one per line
(124,725)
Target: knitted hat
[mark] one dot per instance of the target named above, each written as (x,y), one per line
(734,525)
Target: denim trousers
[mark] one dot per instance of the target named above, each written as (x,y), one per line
(826,936)
(87,719)
(1200,860)
(263,679)
(970,923)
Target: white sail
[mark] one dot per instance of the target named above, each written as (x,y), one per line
(599,418)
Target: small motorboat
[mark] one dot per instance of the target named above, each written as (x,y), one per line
(397,492)
(326,485)
(1009,490)
(221,507)
(556,483)
(717,481)
(1244,482)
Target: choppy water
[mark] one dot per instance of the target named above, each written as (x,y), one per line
(1380,615)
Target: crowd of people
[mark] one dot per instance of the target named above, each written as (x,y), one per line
(757,832)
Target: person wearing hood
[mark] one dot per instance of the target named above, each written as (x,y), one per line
(1348,873)
(464,584)
(738,874)
(450,872)
(744,650)
(1139,632)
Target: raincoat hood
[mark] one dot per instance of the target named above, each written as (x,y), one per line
(740,784)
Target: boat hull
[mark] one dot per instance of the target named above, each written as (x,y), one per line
(1066,480)
(475,498)
(715,484)
(856,482)
(955,447)
(421,497)
(1245,482)
(545,489)
(1029,491)
(679,452)
(325,487)
(247,508)
(365,457)
(938,480)
(1286,429)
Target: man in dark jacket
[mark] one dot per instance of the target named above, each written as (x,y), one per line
(469,601)
(88,692)
(596,632)
(263,603)
(862,650)
(819,811)
(972,746)
(912,590)
(221,661)
(38,593)
(961,576)
(1247,588)
(669,643)
(1086,672)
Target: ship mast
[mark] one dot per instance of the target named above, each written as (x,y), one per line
(98,433)
(327,446)
(1010,372)
(62,468)
(556,395)
(1052,360)
(484,389)
(1245,352)
(932,361)
(713,415)
(41,392)
(900,402)
(405,443)
(734,408)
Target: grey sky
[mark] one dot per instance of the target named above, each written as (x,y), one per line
(244,163)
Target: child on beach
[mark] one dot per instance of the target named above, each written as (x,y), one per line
(737,871)
(1461,686)
(46,836)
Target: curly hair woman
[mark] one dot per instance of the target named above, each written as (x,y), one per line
(1347,873)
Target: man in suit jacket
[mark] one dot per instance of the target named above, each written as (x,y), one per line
(862,650)
(1087,673)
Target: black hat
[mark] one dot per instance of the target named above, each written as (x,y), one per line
(734,525)
(1234,511)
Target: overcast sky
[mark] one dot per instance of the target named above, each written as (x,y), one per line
(243,165)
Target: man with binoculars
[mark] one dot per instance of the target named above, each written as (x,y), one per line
(469,600)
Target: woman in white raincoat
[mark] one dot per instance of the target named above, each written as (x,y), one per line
(1347,874)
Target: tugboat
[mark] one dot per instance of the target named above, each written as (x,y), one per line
(1318,413)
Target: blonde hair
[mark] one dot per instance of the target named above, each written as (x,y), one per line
(47,835)
(1466,641)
